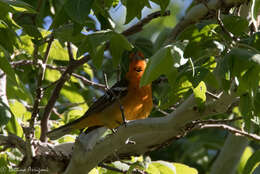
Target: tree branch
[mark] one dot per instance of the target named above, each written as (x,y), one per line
(39,91)
(230,155)
(230,129)
(14,141)
(61,69)
(148,134)
(70,51)
(139,25)
(56,92)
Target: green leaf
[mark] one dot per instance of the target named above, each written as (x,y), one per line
(134,9)
(200,93)
(184,169)
(18,90)
(160,63)
(252,163)
(161,167)
(87,69)
(14,127)
(65,33)
(163,4)
(5,8)
(235,24)
(5,113)
(249,80)
(78,10)
(257,103)
(200,48)
(26,45)
(52,75)
(246,108)
(98,55)
(237,62)
(196,32)
(73,95)
(95,44)
(244,158)
(17,108)
(137,165)
(32,30)
(5,65)
(178,91)
(60,18)
(10,36)
(58,52)
(202,41)
(254,40)
(118,44)
(66,139)
(144,45)
(19,5)
(95,171)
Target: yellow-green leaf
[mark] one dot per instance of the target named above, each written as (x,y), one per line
(184,169)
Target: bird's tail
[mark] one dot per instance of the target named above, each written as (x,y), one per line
(59,132)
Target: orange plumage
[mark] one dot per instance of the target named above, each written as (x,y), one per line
(136,101)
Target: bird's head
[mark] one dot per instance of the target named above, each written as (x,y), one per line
(136,67)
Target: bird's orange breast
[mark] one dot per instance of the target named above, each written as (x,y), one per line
(137,104)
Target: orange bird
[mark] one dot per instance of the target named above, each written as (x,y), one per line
(107,111)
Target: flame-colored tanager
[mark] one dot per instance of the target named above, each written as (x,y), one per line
(136,102)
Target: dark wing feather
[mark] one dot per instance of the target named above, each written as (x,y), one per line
(117,91)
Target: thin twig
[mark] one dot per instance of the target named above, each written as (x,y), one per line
(230,129)
(89,82)
(61,69)
(70,51)
(212,95)
(217,121)
(39,91)
(139,25)
(160,110)
(220,22)
(105,80)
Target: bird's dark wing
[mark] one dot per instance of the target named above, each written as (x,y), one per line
(115,92)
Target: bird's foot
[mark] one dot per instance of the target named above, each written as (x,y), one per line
(125,122)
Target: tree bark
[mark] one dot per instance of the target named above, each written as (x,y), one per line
(147,135)
(230,155)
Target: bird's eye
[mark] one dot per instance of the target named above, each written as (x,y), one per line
(138,69)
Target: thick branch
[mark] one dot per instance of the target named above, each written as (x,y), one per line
(147,134)
(230,155)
